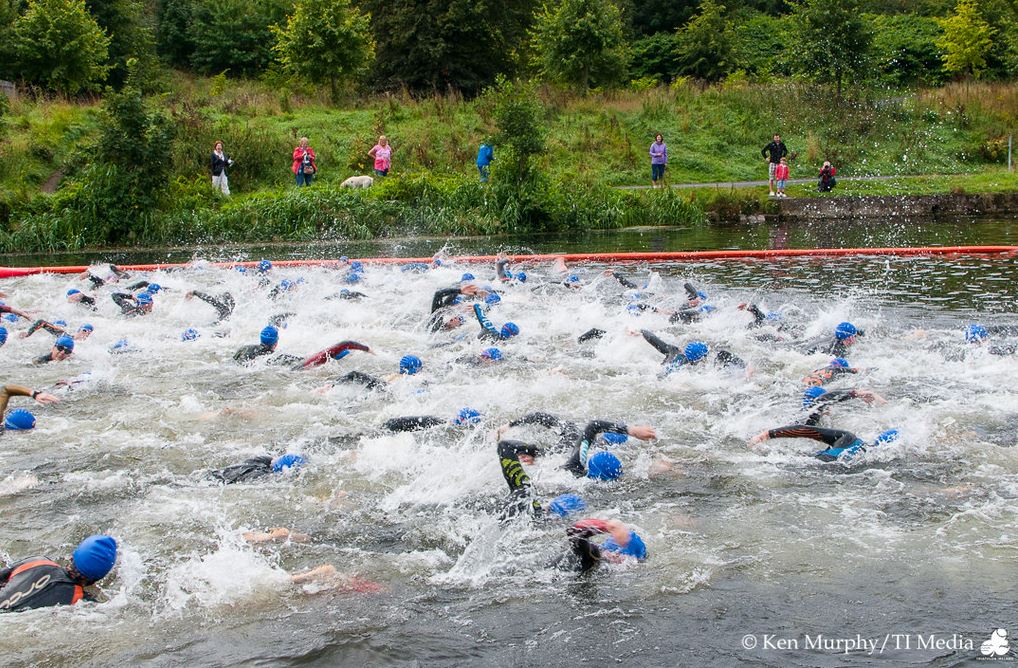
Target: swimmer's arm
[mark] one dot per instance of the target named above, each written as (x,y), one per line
(485,323)
(137,286)
(546,420)
(8,391)
(42,324)
(123,300)
(444,297)
(661,346)
(828,436)
(412,423)
(626,283)
(500,269)
(15,311)
(323,572)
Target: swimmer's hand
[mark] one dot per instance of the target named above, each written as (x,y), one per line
(323,572)
(642,432)
(870,397)
(275,534)
(47,398)
(501,430)
(189,295)
(470,289)
(758,439)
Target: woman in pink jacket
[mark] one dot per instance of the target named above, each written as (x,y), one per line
(304,167)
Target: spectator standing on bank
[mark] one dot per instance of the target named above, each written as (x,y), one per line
(220,164)
(777,151)
(304,165)
(382,154)
(485,154)
(658,160)
(781,176)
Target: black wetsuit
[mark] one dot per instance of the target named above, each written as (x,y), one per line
(442,299)
(349,294)
(577,461)
(223,303)
(38,582)
(98,282)
(365,379)
(569,432)
(585,554)
(86,301)
(249,353)
(822,404)
(413,423)
(520,499)
(837,440)
(674,357)
(250,469)
(44,359)
(835,347)
(626,283)
(591,334)
(127,305)
(48,326)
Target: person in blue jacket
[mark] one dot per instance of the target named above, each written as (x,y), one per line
(485,155)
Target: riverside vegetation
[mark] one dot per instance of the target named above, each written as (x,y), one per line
(586,145)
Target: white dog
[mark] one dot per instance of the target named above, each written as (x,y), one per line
(357,182)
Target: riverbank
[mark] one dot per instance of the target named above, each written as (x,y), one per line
(592,145)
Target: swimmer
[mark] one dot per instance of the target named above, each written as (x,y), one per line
(4,308)
(275,535)
(223,303)
(114,275)
(336,352)
(978,334)
(467,417)
(489,331)
(133,305)
(820,377)
(38,582)
(696,306)
(841,445)
(268,338)
(24,418)
(62,348)
(3,335)
(694,353)
(151,288)
(845,335)
(409,365)
(76,296)
(819,401)
(285,286)
(58,328)
(623,544)
(349,294)
(486,357)
(445,298)
(257,467)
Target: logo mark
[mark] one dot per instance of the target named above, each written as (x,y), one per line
(997,645)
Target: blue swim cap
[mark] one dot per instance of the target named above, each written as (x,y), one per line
(264,266)
(95,557)
(467,416)
(573,278)
(614,438)
(845,330)
(344,258)
(87,327)
(634,548)
(492,299)
(119,345)
(287,461)
(521,277)
(467,277)
(811,395)
(888,436)
(702,295)
(60,323)
(458,299)
(143,298)
(352,277)
(634,309)
(567,504)
(493,354)
(976,333)
(190,334)
(19,420)
(269,336)
(839,363)
(153,288)
(3,335)
(695,351)
(10,317)
(509,330)
(73,291)
(356,265)
(240,268)
(410,364)
(604,465)
(437,261)
(65,342)
(775,315)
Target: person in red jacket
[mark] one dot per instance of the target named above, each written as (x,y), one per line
(781,176)
(304,167)
(827,180)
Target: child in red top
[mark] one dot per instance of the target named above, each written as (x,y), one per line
(781,176)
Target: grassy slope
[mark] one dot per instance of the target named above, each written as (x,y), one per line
(712,134)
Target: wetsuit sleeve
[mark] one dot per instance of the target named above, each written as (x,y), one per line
(666,349)
(595,427)
(223,304)
(758,316)
(96,281)
(546,420)
(413,423)
(443,298)
(42,324)
(828,436)
(626,283)
(516,477)
(500,270)
(591,334)
(123,300)
(690,291)
(486,326)
(726,358)
(137,286)
(87,301)
(334,352)
(5,575)
(367,380)
(9,391)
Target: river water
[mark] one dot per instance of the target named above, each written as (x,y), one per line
(756,557)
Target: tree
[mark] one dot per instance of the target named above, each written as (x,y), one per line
(324,40)
(130,35)
(905,49)
(967,39)
(434,45)
(58,45)
(234,35)
(580,42)
(833,40)
(705,44)
(520,137)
